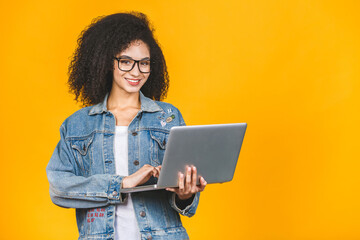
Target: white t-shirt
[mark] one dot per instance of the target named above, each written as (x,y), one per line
(126,226)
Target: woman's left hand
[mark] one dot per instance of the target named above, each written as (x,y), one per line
(187,184)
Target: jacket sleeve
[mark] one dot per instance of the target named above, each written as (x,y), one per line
(72,191)
(190,209)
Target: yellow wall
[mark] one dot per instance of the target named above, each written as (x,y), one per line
(290,69)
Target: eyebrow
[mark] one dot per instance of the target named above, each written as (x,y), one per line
(127,57)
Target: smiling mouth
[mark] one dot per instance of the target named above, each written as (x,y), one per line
(133,81)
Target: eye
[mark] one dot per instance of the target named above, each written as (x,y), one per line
(126,62)
(145,63)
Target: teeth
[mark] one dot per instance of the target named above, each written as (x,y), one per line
(133,81)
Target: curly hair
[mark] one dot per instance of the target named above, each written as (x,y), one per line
(91,67)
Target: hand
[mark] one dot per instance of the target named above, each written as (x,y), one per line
(187,187)
(141,176)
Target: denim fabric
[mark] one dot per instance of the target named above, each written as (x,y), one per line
(81,171)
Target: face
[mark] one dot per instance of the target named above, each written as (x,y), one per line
(131,81)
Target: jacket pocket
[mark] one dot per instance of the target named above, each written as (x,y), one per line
(83,153)
(158,146)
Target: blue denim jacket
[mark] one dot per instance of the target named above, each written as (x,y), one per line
(81,171)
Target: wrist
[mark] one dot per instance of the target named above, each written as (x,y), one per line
(183,203)
(125,182)
(184,197)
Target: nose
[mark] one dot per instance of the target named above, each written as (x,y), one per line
(136,70)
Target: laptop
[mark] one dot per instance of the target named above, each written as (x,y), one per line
(213,149)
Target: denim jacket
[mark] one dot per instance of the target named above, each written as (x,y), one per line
(81,171)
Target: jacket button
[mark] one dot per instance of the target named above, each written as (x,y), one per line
(142,214)
(136,162)
(134,133)
(114,193)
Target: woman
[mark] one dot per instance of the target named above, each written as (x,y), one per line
(118,140)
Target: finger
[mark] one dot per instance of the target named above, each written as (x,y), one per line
(193,180)
(156,172)
(158,169)
(203,184)
(181,182)
(188,179)
(171,189)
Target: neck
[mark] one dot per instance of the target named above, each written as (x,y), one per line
(122,99)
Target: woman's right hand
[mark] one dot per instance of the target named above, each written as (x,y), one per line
(141,176)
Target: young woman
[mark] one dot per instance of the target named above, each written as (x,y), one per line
(118,141)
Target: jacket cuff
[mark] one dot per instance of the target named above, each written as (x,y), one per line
(190,209)
(114,193)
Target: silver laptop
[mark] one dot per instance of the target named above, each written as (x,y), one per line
(213,149)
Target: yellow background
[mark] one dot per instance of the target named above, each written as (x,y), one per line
(290,69)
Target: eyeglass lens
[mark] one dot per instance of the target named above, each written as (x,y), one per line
(128,64)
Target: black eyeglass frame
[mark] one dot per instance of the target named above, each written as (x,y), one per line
(135,62)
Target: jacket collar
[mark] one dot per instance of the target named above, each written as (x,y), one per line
(147,105)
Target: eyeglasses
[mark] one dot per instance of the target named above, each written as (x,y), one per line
(127,64)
